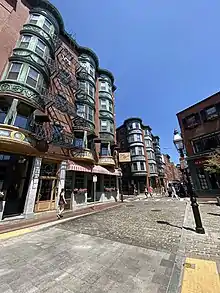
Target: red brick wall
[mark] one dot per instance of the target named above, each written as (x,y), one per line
(171,171)
(11,22)
(204,127)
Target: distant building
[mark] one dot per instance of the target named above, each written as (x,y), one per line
(200,127)
(146,166)
(171,171)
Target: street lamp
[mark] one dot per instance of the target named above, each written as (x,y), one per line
(179,144)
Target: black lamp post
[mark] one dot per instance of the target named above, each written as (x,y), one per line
(178,142)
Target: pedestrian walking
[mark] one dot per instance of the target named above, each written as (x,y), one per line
(145,191)
(170,190)
(61,204)
(174,194)
(150,191)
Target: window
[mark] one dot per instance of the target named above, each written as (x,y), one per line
(133,152)
(103,86)
(78,142)
(40,48)
(21,121)
(47,25)
(79,180)
(104,150)
(110,106)
(142,166)
(82,85)
(90,114)
(91,90)
(138,137)
(25,40)
(140,151)
(104,126)
(131,138)
(130,126)
(103,104)
(34,18)
(135,166)
(32,77)
(4,157)
(191,121)
(92,71)
(137,125)
(111,127)
(81,111)
(3,113)
(202,179)
(109,88)
(14,71)
(206,143)
(211,112)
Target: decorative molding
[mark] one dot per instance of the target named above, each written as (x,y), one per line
(22,90)
(107,136)
(84,155)
(106,161)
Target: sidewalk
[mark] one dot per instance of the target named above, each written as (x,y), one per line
(50,217)
(198,258)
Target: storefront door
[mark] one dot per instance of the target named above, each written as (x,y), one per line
(46,194)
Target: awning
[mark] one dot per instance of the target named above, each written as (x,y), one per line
(72,166)
(101,170)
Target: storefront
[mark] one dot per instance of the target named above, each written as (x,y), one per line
(14,180)
(205,184)
(79,184)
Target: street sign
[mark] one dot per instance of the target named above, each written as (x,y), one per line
(124,157)
(94,179)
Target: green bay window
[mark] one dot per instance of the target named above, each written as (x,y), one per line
(106,126)
(14,70)
(34,18)
(43,22)
(32,77)
(86,112)
(25,41)
(47,25)
(40,48)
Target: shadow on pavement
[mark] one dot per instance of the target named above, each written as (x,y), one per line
(213,214)
(167,223)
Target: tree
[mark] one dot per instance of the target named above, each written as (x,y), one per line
(212,164)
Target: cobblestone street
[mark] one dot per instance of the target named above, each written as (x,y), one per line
(131,248)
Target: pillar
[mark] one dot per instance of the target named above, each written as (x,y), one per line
(62,177)
(117,187)
(32,189)
(102,191)
(85,185)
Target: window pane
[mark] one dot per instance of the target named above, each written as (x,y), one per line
(21,121)
(211,111)
(32,77)
(142,166)
(34,18)
(40,48)
(135,166)
(78,142)
(47,25)
(2,116)
(14,71)
(25,40)
(104,151)
(111,127)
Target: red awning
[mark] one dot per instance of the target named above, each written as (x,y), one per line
(101,170)
(72,166)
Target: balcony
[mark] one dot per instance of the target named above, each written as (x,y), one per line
(106,161)
(18,140)
(83,155)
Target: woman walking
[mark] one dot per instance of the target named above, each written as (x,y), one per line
(61,204)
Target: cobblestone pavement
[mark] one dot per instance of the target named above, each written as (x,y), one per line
(131,248)
(203,246)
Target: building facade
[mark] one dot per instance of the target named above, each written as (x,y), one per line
(172,173)
(146,159)
(199,126)
(57,118)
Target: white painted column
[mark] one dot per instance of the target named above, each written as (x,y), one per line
(62,177)
(32,189)
(117,186)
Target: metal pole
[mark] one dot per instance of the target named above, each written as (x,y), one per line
(94,193)
(194,204)
(120,187)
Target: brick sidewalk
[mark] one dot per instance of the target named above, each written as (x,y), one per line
(12,225)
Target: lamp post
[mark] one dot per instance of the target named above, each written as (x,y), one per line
(178,142)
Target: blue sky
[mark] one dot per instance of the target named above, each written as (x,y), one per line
(165,55)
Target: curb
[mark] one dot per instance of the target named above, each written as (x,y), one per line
(34,228)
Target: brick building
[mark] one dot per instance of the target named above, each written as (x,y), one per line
(171,171)
(200,128)
(57,117)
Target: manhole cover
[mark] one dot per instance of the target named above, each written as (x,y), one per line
(130,205)
(155,210)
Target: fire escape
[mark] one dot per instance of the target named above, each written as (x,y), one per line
(52,127)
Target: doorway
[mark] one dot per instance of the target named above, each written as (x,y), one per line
(15,173)
(46,194)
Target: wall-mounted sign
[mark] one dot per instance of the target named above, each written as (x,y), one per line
(124,157)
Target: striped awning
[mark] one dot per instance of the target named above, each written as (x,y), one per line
(72,166)
(101,170)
